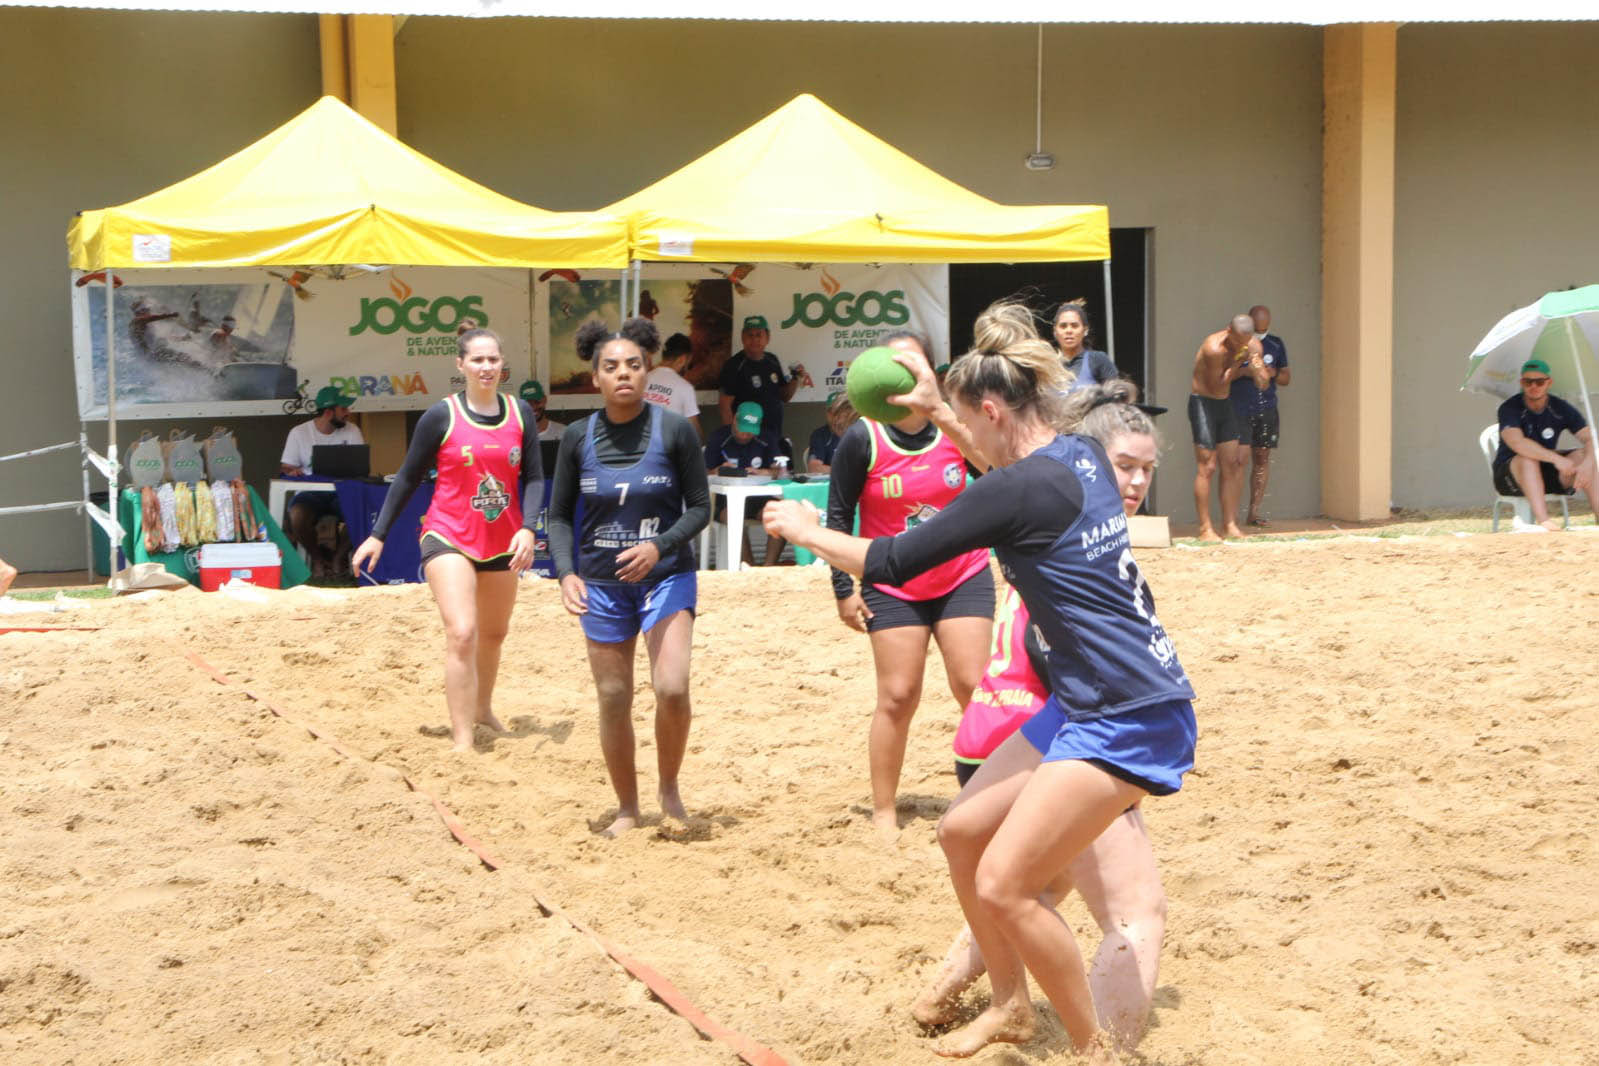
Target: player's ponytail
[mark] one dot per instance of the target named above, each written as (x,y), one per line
(1010,363)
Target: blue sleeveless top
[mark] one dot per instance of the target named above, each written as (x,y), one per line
(620,506)
(1108,653)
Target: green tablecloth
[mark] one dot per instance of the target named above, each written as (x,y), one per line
(185,561)
(816,493)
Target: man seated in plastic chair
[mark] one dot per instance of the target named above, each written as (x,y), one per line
(1527,463)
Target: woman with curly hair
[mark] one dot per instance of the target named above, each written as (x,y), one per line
(637,469)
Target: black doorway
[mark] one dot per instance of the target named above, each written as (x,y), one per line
(973,286)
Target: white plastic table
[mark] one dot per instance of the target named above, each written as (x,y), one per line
(736,491)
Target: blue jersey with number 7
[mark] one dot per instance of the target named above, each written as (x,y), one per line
(621,506)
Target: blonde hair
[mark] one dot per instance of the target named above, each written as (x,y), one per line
(1106,412)
(1009,362)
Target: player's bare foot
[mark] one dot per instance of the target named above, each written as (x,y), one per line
(1209,535)
(487,720)
(8,574)
(1012,1023)
(939,1004)
(622,824)
(886,825)
(1256,520)
(1552,525)
(672,804)
(1231,531)
(461,747)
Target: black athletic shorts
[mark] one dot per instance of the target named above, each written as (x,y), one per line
(1505,481)
(1260,429)
(1213,421)
(964,771)
(433,547)
(972,598)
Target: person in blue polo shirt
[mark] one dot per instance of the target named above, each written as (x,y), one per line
(757,375)
(1256,408)
(1528,463)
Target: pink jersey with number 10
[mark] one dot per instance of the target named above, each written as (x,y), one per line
(904,488)
(1009,692)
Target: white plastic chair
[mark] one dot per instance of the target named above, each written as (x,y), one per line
(1488,440)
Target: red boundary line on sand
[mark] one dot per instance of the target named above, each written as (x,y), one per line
(50,629)
(674,1000)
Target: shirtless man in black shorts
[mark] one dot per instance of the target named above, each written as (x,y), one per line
(1223,357)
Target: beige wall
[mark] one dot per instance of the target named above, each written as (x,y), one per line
(1210,135)
(102,108)
(1498,162)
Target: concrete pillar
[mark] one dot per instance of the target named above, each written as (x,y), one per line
(358,68)
(1357,270)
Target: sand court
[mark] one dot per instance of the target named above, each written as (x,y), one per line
(1386,853)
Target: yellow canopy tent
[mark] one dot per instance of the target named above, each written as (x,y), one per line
(326,188)
(329,187)
(805,184)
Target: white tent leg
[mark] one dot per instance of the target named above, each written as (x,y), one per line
(621,307)
(638,283)
(88,523)
(1110,318)
(111,410)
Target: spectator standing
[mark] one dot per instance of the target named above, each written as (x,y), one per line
(666,385)
(1256,407)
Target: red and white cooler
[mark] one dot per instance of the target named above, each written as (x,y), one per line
(252,563)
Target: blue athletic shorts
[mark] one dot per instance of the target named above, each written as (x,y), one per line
(1152,747)
(617,611)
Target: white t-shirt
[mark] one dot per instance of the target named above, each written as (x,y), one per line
(672,391)
(297,448)
(554,431)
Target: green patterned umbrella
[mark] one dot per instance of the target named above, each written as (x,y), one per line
(1562,329)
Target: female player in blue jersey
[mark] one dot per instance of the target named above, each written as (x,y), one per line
(638,472)
(1119,724)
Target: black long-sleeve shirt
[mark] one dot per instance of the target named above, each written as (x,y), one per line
(623,444)
(423,455)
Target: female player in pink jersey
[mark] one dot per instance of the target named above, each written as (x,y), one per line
(898,475)
(478,532)
(1116,875)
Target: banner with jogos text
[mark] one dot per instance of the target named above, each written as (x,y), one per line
(823,316)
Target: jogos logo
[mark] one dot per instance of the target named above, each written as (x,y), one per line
(416,314)
(870,308)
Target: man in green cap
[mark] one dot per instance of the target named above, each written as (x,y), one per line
(755,375)
(1528,463)
(311,511)
(533,392)
(743,443)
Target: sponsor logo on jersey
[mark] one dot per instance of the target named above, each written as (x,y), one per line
(491,499)
(1085,467)
(920,515)
(955,475)
(1109,534)
(515,455)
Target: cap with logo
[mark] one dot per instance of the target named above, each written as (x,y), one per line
(531,391)
(756,322)
(1537,365)
(332,396)
(747,419)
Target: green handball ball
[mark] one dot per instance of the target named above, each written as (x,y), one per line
(874,377)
